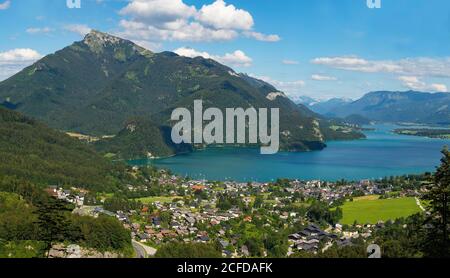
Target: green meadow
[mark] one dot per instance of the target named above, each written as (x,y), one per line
(150,200)
(371,209)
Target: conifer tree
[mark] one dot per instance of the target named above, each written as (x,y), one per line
(437,243)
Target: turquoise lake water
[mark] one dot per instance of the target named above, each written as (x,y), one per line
(383,153)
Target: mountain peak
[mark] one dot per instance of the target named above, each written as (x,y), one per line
(98,35)
(95,38)
(97,41)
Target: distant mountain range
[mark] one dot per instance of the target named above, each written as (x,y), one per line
(325,107)
(385,106)
(305,100)
(98,85)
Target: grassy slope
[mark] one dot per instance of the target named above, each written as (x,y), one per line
(150,200)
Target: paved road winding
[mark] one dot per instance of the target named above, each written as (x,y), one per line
(143,251)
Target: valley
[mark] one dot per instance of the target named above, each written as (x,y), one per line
(138,132)
(121,85)
(120,187)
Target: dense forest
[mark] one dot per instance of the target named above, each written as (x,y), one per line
(31,150)
(33,157)
(139,139)
(31,222)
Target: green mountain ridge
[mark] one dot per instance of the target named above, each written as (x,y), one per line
(141,138)
(30,150)
(97,85)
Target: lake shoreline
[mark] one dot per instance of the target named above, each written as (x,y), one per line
(383,153)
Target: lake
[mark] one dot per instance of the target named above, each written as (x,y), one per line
(383,153)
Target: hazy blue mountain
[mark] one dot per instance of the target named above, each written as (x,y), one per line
(411,106)
(327,107)
(356,119)
(304,100)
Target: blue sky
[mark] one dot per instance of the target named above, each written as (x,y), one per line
(318,48)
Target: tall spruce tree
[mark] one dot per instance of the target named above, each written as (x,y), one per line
(52,222)
(437,241)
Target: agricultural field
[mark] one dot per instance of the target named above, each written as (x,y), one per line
(150,200)
(371,209)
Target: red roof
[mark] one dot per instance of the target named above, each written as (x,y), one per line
(51,192)
(198,187)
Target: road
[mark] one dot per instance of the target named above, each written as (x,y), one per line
(140,251)
(419,204)
(143,251)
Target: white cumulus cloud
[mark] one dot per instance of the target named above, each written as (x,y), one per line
(80,29)
(422,66)
(37,30)
(262,37)
(235,59)
(291,88)
(439,88)
(12,61)
(158,12)
(187,31)
(174,20)
(415,83)
(5,5)
(318,77)
(192,53)
(219,15)
(19,55)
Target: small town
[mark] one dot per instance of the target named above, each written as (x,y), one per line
(232,215)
